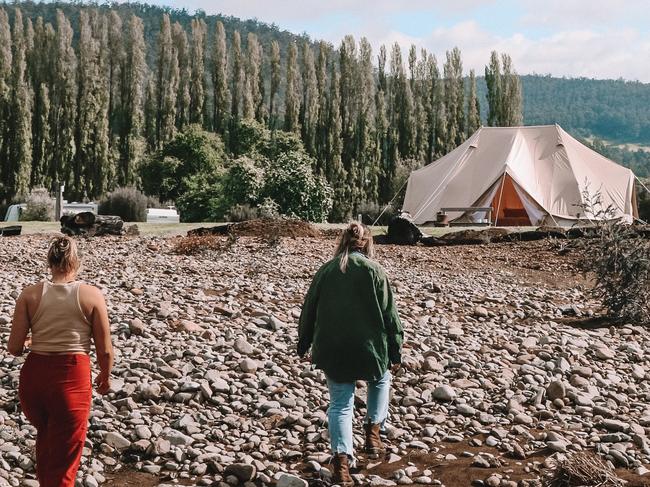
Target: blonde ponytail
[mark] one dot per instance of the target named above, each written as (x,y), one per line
(356,238)
(63,255)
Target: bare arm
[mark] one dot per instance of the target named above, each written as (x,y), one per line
(19,327)
(102,337)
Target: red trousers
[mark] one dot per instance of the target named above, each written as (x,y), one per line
(55,394)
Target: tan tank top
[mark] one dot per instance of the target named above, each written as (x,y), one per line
(59,324)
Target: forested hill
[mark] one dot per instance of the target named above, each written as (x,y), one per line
(613,110)
(151,16)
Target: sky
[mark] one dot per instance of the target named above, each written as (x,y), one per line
(607,39)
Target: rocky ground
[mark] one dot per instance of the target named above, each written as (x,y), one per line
(506,366)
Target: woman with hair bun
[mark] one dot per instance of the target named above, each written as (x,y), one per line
(63,316)
(350,322)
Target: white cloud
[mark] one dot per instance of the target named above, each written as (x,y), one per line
(581,13)
(575,53)
(591,38)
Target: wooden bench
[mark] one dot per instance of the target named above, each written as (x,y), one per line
(470,209)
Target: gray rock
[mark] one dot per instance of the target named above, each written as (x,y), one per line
(288,480)
(444,393)
(244,472)
(116,440)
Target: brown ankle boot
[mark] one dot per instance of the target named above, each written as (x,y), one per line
(374,447)
(342,471)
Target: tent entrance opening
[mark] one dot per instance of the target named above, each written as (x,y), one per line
(508,209)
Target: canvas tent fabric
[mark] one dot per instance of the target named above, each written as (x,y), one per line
(532,175)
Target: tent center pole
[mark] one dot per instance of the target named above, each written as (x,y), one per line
(503,183)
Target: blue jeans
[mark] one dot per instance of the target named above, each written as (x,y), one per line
(341,411)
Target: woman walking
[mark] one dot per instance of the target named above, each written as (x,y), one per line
(63,316)
(350,322)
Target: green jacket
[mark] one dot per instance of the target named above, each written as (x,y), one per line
(350,321)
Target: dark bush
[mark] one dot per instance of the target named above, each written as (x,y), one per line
(375,214)
(128,203)
(242,213)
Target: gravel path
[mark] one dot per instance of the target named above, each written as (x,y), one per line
(502,369)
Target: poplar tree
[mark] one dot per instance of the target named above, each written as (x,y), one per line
(253,97)
(197,66)
(504,92)
(454,99)
(181,46)
(367,147)
(402,133)
(309,106)
(132,96)
(41,144)
(115,63)
(433,94)
(19,133)
(419,101)
(349,101)
(322,122)
(221,93)
(166,84)
(334,170)
(493,82)
(151,115)
(291,96)
(41,69)
(473,108)
(381,122)
(237,77)
(5,92)
(511,96)
(275,84)
(93,165)
(63,107)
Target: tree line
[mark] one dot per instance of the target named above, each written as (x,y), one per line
(85,108)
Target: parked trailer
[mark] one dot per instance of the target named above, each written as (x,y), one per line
(162,215)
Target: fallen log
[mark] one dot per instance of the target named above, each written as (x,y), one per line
(91,225)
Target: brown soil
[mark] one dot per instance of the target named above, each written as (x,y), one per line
(127,478)
(461,473)
(272,228)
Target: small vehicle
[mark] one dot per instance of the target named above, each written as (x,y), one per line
(14,211)
(163,215)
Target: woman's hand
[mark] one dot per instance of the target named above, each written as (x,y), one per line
(103,383)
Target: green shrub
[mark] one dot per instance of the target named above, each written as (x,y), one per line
(202,200)
(191,152)
(298,193)
(128,203)
(40,206)
(243,182)
(619,261)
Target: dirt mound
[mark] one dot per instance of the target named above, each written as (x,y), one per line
(274,228)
